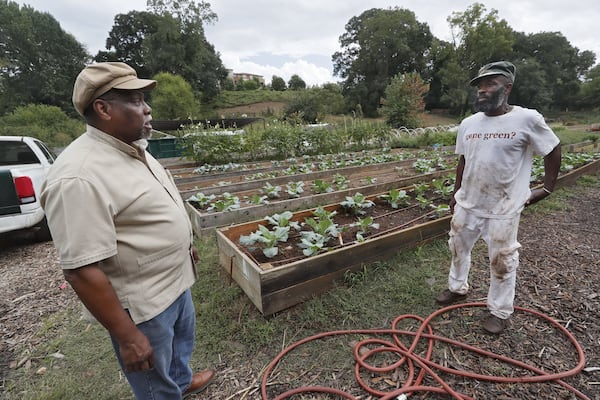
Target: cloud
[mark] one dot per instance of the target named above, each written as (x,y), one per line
(274,37)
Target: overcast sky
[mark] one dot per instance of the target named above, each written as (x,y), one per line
(286,37)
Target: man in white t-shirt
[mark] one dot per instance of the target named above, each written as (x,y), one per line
(496,147)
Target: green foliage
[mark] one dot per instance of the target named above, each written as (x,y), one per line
(396,198)
(377,45)
(306,105)
(170,37)
(403,104)
(38,59)
(47,123)
(266,239)
(296,83)
(356,204)
(312,243)
(210,146)
(173,98)
(278,84)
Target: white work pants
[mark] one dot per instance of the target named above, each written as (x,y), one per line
(503,250)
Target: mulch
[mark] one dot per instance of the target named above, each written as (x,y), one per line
(558,276)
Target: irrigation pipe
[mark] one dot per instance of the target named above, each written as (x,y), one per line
(413,362)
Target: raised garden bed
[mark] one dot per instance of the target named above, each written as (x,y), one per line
(243,181)
(275,284)
(204,222)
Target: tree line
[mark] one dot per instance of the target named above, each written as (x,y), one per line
(389,62)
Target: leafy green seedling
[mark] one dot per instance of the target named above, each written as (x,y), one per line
(271,191)
(294,189)
(283,220)
(201,199)
(266,239)
(320,186)
(356,204)
(396,198)
(312,243)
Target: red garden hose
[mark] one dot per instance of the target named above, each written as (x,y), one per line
(425,364)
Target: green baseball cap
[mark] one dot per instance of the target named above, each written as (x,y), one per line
(504,68)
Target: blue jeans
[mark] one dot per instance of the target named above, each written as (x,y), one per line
(171,334)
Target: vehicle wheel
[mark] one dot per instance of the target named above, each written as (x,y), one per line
(42,233)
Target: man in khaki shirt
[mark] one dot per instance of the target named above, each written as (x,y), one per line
(123,236)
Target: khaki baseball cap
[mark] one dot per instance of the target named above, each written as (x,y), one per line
(503,68)
(96,79)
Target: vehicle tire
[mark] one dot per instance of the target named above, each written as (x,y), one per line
(42,232)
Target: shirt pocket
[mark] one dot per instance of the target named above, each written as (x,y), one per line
(161,272)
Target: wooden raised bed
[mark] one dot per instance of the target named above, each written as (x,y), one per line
(273,289)
(239,182)
(205,222)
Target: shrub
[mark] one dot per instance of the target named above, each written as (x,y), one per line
(47,123)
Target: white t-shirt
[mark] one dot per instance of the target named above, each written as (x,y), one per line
(498,155)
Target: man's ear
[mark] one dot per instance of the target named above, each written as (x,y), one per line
(102,109)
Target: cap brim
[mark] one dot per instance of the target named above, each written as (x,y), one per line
(475,80)
(136,84)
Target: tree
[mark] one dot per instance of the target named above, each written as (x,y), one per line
(560,67)
(126,40)
(278,84)
(378,45)
(589,96)
(296,83)
(403,104)
(173,98)
(480,38)
(169,38)
(38,60)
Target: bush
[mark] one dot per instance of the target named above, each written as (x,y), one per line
(48,123)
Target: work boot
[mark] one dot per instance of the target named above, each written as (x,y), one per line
(448,297)
(494,325)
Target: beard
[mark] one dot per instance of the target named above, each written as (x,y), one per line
(493,102)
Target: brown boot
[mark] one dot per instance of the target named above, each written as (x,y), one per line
(448,297)
(494,325)
(199,382)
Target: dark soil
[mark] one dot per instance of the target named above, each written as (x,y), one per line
(389,219)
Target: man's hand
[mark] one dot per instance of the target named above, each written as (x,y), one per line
(136,353)
(536,195)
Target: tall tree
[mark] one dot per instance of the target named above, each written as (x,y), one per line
(169,38)
(590,89)
(278,84)
(560,67)
(38,59)
(479,37)
(377,45)
(296,83)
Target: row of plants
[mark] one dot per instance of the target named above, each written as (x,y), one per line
(281,140)
(269,192)
(355,219)
(304,164)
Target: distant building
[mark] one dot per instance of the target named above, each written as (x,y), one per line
(238,77)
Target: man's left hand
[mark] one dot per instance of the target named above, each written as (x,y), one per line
(536,195)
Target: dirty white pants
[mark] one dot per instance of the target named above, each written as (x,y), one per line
(503,251)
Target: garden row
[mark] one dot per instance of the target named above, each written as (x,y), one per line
(283,258)
(250,199)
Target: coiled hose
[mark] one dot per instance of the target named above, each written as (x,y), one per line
(424,363)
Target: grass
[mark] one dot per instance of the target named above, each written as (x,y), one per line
(230,331)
